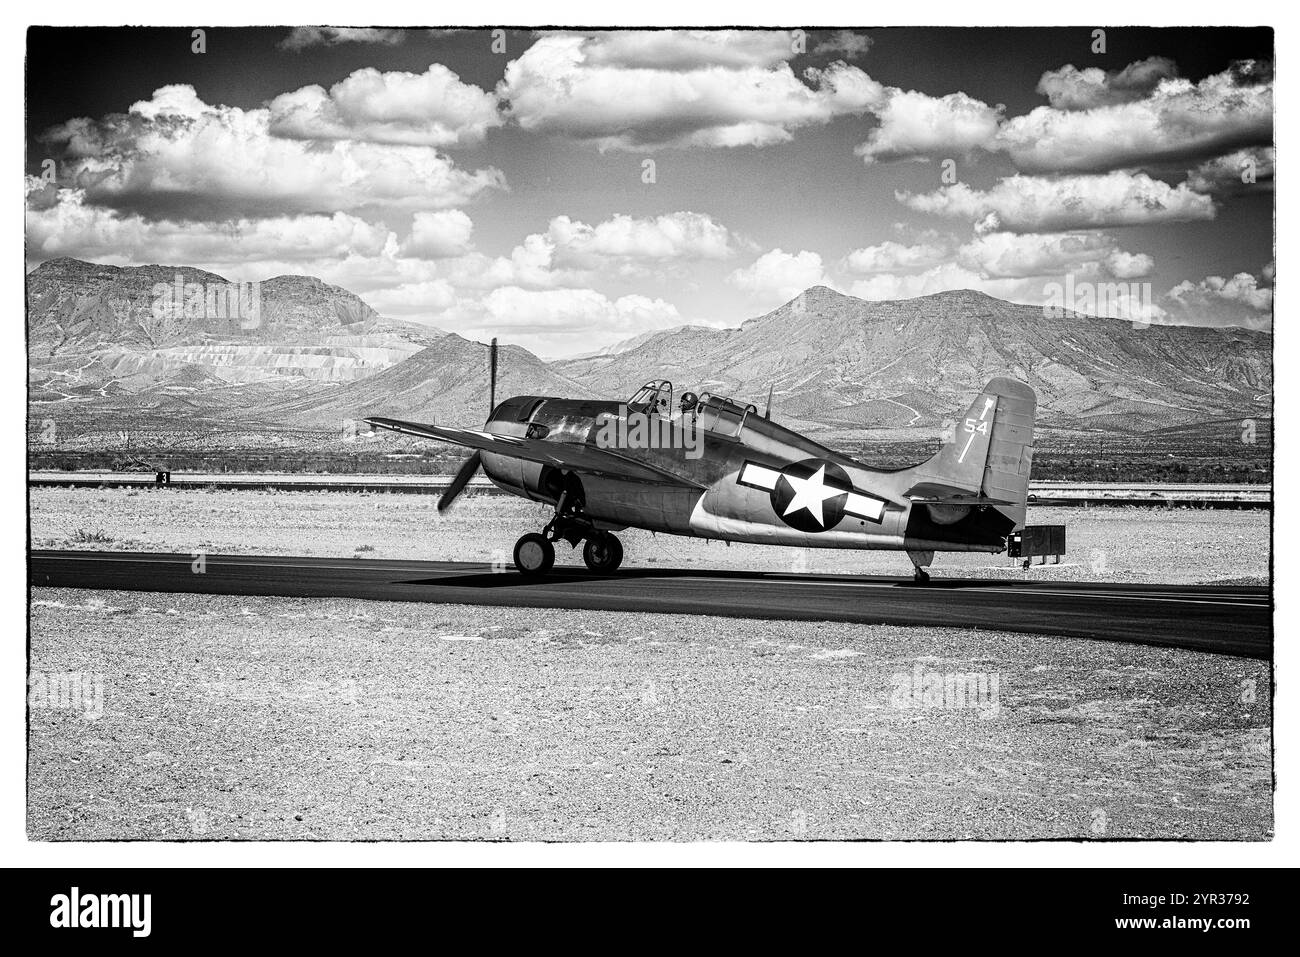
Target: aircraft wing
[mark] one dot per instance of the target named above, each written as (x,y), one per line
(579,457)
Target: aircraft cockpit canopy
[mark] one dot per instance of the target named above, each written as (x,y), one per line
(722,415)
(654,396)
(717,413)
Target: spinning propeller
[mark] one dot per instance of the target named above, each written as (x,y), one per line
(472,463)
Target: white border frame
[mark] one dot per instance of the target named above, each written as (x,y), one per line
(16,850)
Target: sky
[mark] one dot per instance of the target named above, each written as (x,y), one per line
(568,190)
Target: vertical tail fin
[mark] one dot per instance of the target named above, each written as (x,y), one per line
(961,462)
(992,450)
(1011,450)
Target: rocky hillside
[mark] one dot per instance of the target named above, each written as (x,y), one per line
(129,326)
(848,363)
(446,383)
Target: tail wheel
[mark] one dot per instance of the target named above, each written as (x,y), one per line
(534,555)
(603,552)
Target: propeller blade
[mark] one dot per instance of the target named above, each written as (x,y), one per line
(459,482)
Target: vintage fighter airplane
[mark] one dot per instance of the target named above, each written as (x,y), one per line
(713,468)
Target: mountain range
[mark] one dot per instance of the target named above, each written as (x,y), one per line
(843,362)
(318,354)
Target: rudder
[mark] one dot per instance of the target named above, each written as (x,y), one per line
(991,454)
(1011,448)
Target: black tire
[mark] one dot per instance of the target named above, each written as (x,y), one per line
(603,552)
(534,555)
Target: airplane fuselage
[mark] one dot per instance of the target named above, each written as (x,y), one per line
(742,478)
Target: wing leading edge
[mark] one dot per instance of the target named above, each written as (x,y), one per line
(569,455)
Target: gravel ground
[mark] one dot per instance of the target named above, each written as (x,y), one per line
(1182,546)
(244,718)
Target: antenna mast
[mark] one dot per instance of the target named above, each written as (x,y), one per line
(492,366)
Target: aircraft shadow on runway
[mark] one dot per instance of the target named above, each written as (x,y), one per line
(513,579)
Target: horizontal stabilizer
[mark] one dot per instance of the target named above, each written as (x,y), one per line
(959,498)
(935,493)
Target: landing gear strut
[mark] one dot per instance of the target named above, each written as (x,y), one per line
(920,560)
(535,552)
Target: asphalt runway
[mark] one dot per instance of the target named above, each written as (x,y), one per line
(1224,619)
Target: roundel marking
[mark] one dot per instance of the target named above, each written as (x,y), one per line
(810,495)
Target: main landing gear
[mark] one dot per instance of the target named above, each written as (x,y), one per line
(535,552)
(534,555)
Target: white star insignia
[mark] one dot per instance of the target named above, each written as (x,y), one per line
(810,494)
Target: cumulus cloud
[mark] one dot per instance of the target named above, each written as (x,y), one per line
(433,108)
(174,156)
(916,126)
(1053,204)
(1009,255)
(552,320)
(613,92)
(470,293)
(568,254)
(686,50)
(427,298)
(844,43)
(439,235)
(943,278)
(891,256)
(300,38)
(1239,300)
(1008,265)
(645,91)
(571,253)
(574,310)
(1141,116)
(1236,172)
(673,236)
(1178,121)
(778,276)
(1070,88)
(71,227)
(558,321)
(520,297)
(1125,265)
(1242,288)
